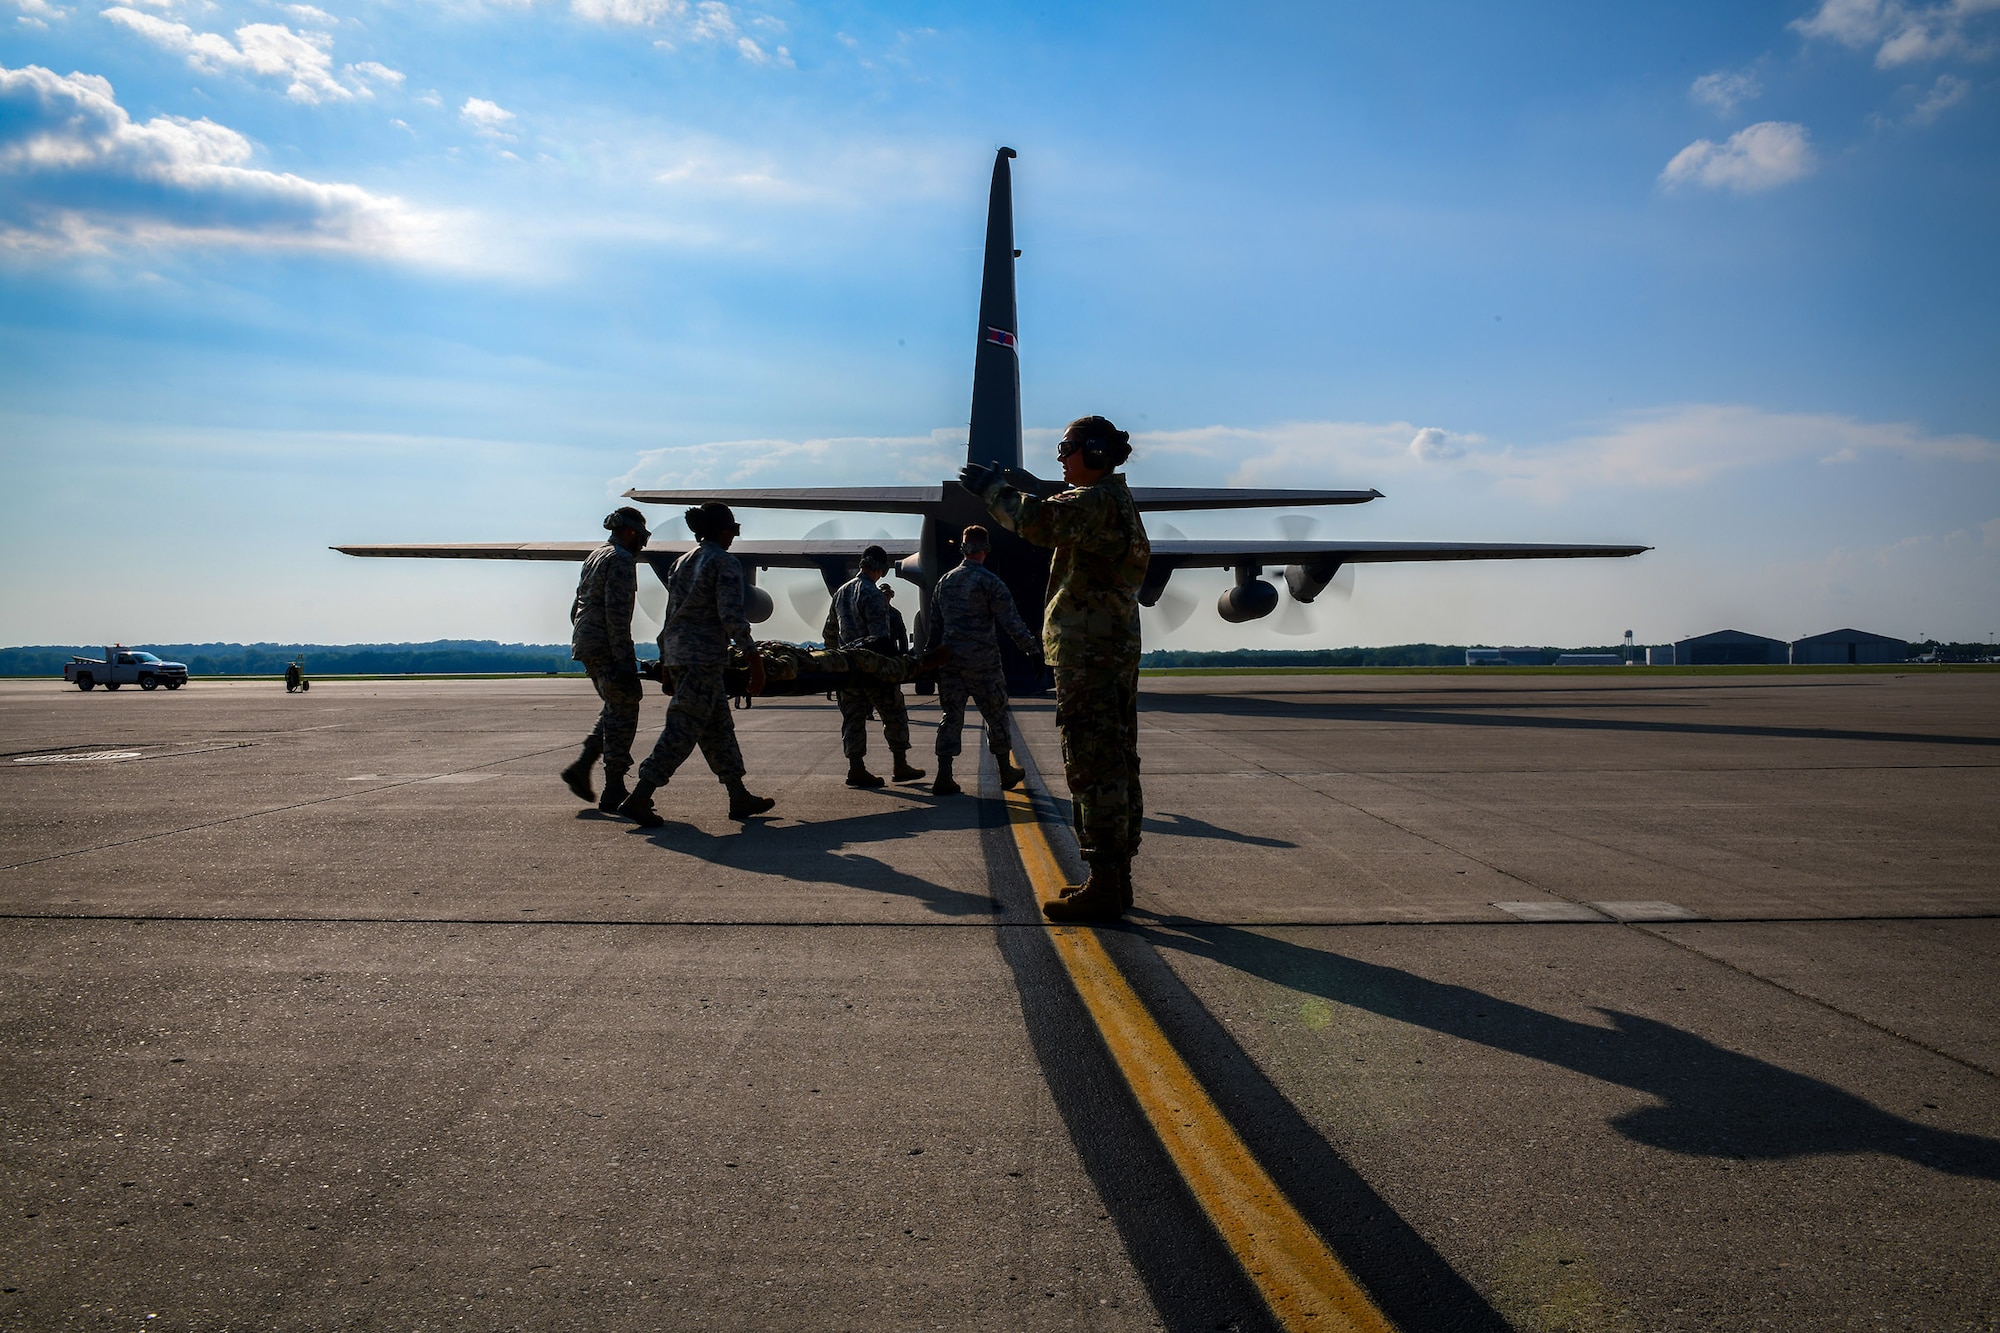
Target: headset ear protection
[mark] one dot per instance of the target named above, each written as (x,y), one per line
(1092,451)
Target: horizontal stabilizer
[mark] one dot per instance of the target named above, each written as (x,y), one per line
(1228,554)
(836,499)
(1151,498)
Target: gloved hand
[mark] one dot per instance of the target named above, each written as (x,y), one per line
(1027,482)
(978,478)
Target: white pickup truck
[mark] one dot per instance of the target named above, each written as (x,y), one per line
(124,666)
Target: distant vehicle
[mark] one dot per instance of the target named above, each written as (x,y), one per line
(295,675)
(124,666)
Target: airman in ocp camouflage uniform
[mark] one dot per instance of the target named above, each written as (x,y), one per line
(704,616)
(967,606)
(601,639)
(1090,635)
(859,618)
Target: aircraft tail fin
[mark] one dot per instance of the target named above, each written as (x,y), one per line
(995,434)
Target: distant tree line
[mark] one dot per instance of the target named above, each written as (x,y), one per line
(440,657)
(1398,655)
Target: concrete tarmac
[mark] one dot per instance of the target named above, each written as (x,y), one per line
(1641,1003)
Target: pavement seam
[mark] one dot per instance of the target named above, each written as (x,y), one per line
(1812,999)
(274,810)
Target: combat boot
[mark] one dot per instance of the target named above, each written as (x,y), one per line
(903,771)
(1096,899)
(742,804)
(945,784)
(859,776)
(614,794)
(577,776)
(1010,776)
(638,807)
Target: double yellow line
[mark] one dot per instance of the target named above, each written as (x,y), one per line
(1304,1285)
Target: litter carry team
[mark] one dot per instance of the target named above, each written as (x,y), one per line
(1090,636)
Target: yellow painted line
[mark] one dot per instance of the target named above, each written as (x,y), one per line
(1305,1286)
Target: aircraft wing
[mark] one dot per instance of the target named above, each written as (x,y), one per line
(763,554)
(1180,554)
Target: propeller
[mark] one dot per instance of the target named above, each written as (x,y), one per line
(1297,619)
(649,608)
(1175,605)
(808,596)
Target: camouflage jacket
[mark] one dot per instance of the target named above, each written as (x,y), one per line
(704,608)
(1100,561)
(860,612)
(968,605)
(601,616)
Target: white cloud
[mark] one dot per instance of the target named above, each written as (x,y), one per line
(1724,89)
(307,13)
(38,13)
(1904,33)
(1432,444)
(1946,93)
(80,175)
(1767,154)
(880,461)
(487,118)
(305,59)
(376,72)
(709,21)
(1670,448)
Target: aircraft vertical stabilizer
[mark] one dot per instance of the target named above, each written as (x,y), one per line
(995,436)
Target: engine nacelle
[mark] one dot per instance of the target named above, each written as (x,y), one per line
(757,604)
(1305,582)
(1250,599)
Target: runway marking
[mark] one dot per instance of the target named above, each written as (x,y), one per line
(1299,1278)
(1556,910)
(91,757)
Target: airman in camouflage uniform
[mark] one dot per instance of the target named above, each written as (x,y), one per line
(1090,635)
(967,605)
(601,639)
(860,619)
(704,616)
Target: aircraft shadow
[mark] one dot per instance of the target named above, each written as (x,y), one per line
(815,851)
(1169,825)
(1713,1102)
(1229,705)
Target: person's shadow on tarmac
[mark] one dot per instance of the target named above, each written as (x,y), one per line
(1713,1102)
(815,851)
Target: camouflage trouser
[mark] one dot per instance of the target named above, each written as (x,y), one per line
(988,688)
(698,714)
(618,720)
(888,702)
(1097,711)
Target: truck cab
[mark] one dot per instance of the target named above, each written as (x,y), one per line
(124,666)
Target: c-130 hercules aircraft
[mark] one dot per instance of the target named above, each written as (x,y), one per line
(995,439)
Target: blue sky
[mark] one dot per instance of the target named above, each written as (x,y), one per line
(1720,279)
